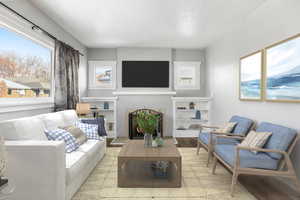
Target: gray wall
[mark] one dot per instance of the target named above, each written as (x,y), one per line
(274,21)
(163,103)
(29,11)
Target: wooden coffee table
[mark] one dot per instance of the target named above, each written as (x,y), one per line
(134,165)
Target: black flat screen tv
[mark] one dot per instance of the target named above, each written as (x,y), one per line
(146,74)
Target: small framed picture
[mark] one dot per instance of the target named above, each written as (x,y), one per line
(250,76)
(282,78)
(187,75)
(102,74)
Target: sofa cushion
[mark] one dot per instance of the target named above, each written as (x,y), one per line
(70,117)
(281,137)
(91,147)
(63,135)
(75,164)
(204,137)
(243,125)
(53,120)
(247,158)
(28,128)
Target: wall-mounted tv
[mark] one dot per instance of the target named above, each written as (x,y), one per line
(145,74)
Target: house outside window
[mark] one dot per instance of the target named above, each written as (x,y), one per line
(25,66)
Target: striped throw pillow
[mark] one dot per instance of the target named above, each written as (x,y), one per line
(227,128)
(256,139)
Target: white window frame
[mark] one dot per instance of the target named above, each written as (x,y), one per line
(14,23)
(178,65)
(92,66)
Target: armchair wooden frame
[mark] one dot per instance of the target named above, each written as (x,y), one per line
(210,146)
(237,169)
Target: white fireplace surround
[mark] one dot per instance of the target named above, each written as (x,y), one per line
(125,93)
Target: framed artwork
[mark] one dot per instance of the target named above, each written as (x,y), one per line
(102,74)
(282,73)
(251,77)
(187,75)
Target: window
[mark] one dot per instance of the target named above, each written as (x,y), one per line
(25,66)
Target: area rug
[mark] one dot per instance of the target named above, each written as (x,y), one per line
(197,183)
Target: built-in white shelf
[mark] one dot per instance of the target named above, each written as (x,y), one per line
(125,93)
(110,114)
(184,118)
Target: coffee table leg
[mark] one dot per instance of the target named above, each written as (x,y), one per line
(179,171)
(120,174)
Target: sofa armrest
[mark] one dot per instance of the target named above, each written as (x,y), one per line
(37,168)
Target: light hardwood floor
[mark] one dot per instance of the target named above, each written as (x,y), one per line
(197,183)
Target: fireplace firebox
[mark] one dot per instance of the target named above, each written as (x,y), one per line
(133,131)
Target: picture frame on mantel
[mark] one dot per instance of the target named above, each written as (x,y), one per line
(251,77)
(102,74)
(187,75)
(282,71)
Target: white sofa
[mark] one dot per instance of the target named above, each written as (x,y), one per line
(40,169)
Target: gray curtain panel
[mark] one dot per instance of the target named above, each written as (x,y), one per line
(66,76)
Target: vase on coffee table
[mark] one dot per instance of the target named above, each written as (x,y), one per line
(148,140)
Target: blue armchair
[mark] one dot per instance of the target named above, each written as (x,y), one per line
(269,161)
(206,139)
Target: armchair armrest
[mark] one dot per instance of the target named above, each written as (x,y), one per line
(37,168)
(260,149)
(286,157)
(209,126)
(229,137)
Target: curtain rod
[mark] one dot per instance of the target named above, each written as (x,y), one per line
(35,27)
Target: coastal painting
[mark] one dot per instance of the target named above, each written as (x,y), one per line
(250,76)
(283,71)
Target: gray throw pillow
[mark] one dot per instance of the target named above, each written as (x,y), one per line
(77,133)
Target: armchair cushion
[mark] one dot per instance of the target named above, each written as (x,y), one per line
(247,158)
(243,125)
(281,137)
(204,137)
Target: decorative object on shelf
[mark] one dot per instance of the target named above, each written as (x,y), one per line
(154,143)
(147,124)
(110,126)
(181,108)
(192,105)
(195,127)
(251,76)
(102,74)
(198,114)
(106,105)
(160,169)
(159,141)
(187,75)
(181,128)
(282,72)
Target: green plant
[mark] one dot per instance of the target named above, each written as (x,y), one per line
(147,121)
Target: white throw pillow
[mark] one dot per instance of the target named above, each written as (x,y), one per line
(227,128)
(256,139)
